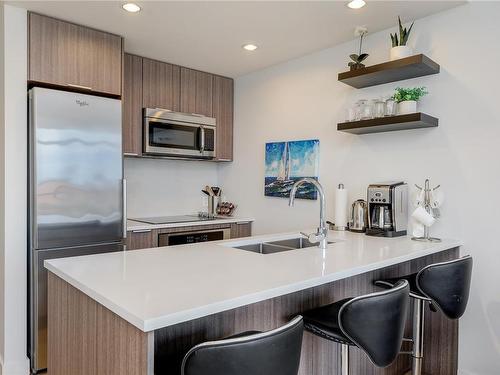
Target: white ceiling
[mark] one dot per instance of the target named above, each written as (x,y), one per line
(208,35)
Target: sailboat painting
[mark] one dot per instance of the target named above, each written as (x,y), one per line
(288,162)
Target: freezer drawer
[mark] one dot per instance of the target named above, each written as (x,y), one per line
(37,350)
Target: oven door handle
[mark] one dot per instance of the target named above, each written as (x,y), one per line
(202,139)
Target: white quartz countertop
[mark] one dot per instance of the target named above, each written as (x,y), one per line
(159,287)
(133,225)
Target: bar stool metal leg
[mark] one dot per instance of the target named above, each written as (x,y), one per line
(418,336)
(344,363)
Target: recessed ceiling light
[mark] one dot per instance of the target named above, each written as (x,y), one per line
(356,4)
(250,47)
(131,7)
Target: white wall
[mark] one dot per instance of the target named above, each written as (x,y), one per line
(13,151)
(302,99)
(166,187)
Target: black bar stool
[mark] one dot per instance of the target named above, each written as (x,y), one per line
(275,352)
(373,322)
(443,285)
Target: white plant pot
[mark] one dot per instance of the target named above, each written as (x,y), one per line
(400,52)
(407,106)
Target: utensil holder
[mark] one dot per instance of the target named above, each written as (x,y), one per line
(213,203)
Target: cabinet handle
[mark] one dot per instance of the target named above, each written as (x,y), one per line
(242,223)
(79,86)
(130,154)
(141,231)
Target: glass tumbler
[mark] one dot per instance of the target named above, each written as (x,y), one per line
(390,107)
(379,108)
(351,113)
(365,109)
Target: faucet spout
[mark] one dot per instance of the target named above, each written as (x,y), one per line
(322,232)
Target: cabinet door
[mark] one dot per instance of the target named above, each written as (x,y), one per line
(196,92)
(132,105)
(223,112)
(140,239)
(62,53)
(160,86)
(243,229)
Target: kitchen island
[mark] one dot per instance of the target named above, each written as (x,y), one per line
(138,312)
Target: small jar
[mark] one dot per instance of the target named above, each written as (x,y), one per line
(390,107)
(365,109)
(351,113)
(379,108)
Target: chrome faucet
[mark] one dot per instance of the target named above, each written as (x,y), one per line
(321,235)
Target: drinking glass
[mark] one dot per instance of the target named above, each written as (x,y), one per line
(390,107)
(379,108)
(365,109)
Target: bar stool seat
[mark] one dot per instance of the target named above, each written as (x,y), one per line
(444,286)
(324,322)
(372,322)
(275,352)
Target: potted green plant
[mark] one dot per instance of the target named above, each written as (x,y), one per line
(357,59)
(407,98)
(399,48)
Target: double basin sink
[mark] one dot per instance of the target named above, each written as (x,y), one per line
(271,247)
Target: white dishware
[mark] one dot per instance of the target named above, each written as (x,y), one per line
(422,216)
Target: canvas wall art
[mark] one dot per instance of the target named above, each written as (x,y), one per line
(288,162)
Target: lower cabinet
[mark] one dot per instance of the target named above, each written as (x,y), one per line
(141,239)
(242,229)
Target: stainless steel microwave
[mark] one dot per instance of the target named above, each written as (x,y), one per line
(168,133)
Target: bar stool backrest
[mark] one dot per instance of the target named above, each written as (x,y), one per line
(275,352)
(447,284)
(375,322)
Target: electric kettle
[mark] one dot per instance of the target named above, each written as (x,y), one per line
(359,216)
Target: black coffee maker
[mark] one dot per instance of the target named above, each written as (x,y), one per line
(387,209)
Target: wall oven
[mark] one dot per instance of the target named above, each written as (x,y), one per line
(170,239)
(175,134)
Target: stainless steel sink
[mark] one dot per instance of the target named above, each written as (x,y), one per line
(278,246)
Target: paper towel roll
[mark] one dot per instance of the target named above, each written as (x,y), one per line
(340,208)
(422,216)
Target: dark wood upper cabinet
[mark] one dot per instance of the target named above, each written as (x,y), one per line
(132,105)
(160,86)
(65,54)
(223,112)
(196,92)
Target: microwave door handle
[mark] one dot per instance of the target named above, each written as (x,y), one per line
(202,139)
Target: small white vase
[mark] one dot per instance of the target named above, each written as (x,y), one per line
(407,106)
(400,52)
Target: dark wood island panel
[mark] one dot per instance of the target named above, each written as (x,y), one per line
(87,338)
(319,357)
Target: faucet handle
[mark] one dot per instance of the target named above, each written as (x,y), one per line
(314,237)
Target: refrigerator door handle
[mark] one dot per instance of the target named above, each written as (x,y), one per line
(124,193)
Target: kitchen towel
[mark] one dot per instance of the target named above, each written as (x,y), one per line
(340,208)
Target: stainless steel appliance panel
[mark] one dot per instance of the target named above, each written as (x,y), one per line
(176,134)
(38,294)
(76,169)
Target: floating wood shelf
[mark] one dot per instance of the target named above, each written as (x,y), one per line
(392,71)
(389,124)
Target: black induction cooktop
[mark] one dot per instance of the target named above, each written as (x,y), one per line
(173,219)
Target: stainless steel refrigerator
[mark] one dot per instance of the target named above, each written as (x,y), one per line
(76,191)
